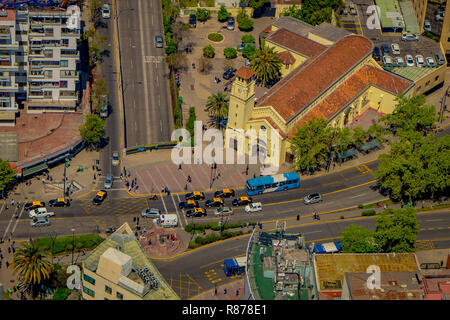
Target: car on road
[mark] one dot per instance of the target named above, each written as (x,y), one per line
(385,49)
(253,207)
(108,181)
(420,61)
(387,61)
(312,198)
(430,61)
(224,193)
(243,45)
(223,210)
(40,213)
(100,197)
(230,23)
(115,159)
(151,213)
(427,25)
(242,201)
(34,205)
(395,48)
(196,212)
(439,59)
(410,37)
(409,60)
(196,195)
(39,222)
(215,202)
(189,204)
(376,53)
(159,41)
(192,21)
(110,230)
(399,61)
(59,202)
(106,11)
(229,73)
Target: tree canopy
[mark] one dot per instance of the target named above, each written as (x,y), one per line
(92,129)
(244,21)
(6,175)
(314,12)
(266,64)
(223,14)
(357,239)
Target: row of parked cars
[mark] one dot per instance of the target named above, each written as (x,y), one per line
(38,212)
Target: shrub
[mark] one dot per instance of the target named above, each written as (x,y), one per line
(216,37)
(244,21)
(61,293)
(223,14)
(208,51)
(248,52)
(230,53)
(368,213)
(202,14)
(248,38)
(342,217)
(360,206)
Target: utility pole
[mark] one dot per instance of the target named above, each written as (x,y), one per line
(443,104)
(73,242)
(66,165)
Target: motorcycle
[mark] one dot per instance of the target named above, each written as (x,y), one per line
(154,197)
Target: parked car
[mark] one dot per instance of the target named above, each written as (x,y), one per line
(59,202)
(399,61)
(395,48)
(253,207)
(159,41)
(439,17)
(115,159)
(439,59)
(34,205)
(229,73)
(215,202)
(100,197)
(223,210)
(430,61)
(385,49)
(420,61)
(40,213)
(192,21)
(230,23)
(39,222)
(106,11)
(409,37)
(108,181)
(387,61)
(224,193)
(242,201)
(196,195)
(189,204)
(376,53)
(196,212)
(427,25)
(409,60)
(312,198)
(151,213)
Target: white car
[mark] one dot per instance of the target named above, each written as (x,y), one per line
(223,210)
(409,60)
(427,25)
(409,37)
(253,207)
(399,61)
(387,60)
(106,11)
(395,48)
(430,61)
(40,213)
(115,158)
(420,61)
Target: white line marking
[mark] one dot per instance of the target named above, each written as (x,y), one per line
(9,224)
(435,220)
(17,220)
(176,209)
(359,195)
(164,204)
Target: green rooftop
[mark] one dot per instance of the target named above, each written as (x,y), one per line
(411,73)
(393,8)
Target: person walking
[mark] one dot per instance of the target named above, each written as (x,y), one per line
(12,203)
(225,291)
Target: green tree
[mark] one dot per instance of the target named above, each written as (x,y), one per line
(341,139)
(266,64)
(379,132)
(6,175)
(202,14)
(357,239)
(358,136)
(94,8)
(217,107)
(322,15)
(248,52)
(223,14)
(248,38)
(244,21)
(293,11)
(230,53)
(314,12)
(100,89)
(310,145)
(32,266)
(256,4)
(397,231)
(208,51)
(92,129)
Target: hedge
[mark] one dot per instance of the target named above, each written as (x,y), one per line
(212,237)
(61,294)
(215,226)
(64,244)
(368,213)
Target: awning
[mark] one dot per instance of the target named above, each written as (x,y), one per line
(369,145)
(32,170)
(348,153)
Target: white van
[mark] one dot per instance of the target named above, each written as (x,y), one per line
(168,220)
(253,207)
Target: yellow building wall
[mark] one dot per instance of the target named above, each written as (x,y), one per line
(430,80)
(319,39)
(299,59)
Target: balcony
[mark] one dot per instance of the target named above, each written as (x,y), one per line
(9,87)
(69,74)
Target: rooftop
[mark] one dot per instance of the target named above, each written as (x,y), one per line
(286,57)
(329,32)
(293,25)
(244,73)
(411,73)
(8,15)
(391,7)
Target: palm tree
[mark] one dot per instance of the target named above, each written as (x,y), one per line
(32,265)
(217,106)
(266,64)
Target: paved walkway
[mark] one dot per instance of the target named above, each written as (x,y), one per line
(230,291)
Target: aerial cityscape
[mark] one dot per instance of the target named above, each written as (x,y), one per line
(224,150)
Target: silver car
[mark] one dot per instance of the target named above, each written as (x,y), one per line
(108,181)
(40,222)
(115,158)
(151,213)
(106,11)
(223,210)
(312,198)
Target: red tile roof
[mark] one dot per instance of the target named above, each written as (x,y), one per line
(286,57)
(244,73)
(296,43)
(313,77)
(353,86)
(10,15)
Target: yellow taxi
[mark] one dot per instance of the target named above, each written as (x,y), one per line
(99,197)
(196,195)
(215,202)
(34,205)
(224,193)
(242,201)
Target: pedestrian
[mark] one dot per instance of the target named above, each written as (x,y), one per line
(215,291)
(9,250)
(12,202)
(14,250)
(121,176)
(95,177)
(237,292)
(423,203)
(7,264)
(254,175)
(298,217)
(162,189)
(125,171)
(225,291)
(401,204)
(179,166)
(168,192)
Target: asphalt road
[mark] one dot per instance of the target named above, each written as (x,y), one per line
(148,113)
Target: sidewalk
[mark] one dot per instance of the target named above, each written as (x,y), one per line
(229,291)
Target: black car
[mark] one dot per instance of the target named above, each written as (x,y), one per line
(59,202)
(34,205)
(110,230)
(385,49)
(192,21)
(189,204)
(376,53)
(229,73)
(242,201)
(224,193)
(196,195)
(215,202)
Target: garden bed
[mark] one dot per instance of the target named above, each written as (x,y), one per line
(215,37)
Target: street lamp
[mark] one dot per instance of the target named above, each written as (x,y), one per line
(73,242)
(53,238)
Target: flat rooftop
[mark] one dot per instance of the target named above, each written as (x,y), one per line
(411,73)
(391,7)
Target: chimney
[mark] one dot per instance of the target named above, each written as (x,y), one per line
(448,262)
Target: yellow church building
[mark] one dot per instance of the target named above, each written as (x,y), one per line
(332,77)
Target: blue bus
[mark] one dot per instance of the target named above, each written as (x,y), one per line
(278,182)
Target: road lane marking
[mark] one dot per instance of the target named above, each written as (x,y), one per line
(435,220)
(9,224)
(164,204)
(176,209)
(17,220)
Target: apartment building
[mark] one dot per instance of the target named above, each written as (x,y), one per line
(39,62)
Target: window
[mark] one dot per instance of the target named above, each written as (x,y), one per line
(108,290)
(88,279)
(427,83)
(64,63)
(436,79)
(119,295)
(89,291)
